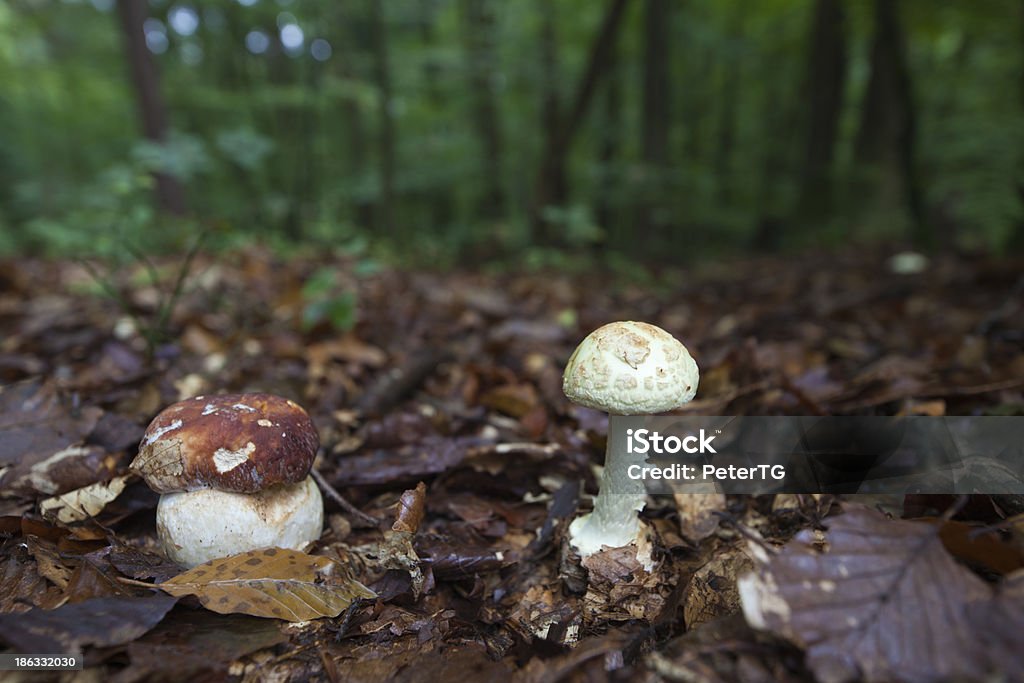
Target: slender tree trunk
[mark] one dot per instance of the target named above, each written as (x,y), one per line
(826,78)
(1016,242)
(431,67)
(439,203)
(354,40)
(481,62)
(654,126)
(730,102)
(152,110)
(607,214)
(386,127)
(552,188)
(693,107)
(886,137)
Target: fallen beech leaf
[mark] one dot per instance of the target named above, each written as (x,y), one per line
(272,582)
(884,602)
(84,503)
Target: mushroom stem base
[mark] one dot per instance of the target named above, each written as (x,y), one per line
(591,533)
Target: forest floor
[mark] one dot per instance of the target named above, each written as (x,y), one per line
(454,380)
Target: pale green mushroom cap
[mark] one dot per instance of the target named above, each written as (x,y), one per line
(630,368)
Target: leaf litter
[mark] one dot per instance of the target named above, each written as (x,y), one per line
(453,380)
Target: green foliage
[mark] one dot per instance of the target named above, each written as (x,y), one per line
(326,302)
(282,146)
(154,327)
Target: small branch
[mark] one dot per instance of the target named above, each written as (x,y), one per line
(333,494)
(141,584)
(392,387)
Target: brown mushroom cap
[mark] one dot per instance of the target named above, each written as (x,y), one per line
(235,442)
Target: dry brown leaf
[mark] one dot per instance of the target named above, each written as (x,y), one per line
(84,503)
(884,602)
(411,507)
(712,591)
(272,582)
(48,561)
(698,516)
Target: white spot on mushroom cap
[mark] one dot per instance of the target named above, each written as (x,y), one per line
(160,431)
(264,423)
(242,406)
(226,460)
(209,409)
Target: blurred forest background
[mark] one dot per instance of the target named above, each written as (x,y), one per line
(464,131)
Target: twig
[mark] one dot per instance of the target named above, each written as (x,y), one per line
(133,582)
(933,390)
(333,494)
(389,389)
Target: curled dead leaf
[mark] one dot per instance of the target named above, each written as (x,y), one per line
(84,503)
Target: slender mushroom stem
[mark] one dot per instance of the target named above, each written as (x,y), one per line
(333,494)
(620,497)
(614,521)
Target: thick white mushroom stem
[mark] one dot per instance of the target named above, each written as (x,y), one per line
(614,522)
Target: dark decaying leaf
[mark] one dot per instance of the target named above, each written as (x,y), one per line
(100,621)
(727,650)
(139,564)
(197,641)
(407,464)
(272,582)
(884,602)
(41,441)
(22,585)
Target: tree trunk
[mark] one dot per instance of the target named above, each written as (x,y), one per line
(552,186)
(826,78)
(608,204)
(481,62)
(439,204)
(386,124)
(1016,242)
(730,104)
(152,110)
(654,126)
(886,137)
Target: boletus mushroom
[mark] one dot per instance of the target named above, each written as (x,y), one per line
(233,474)
(624,368)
